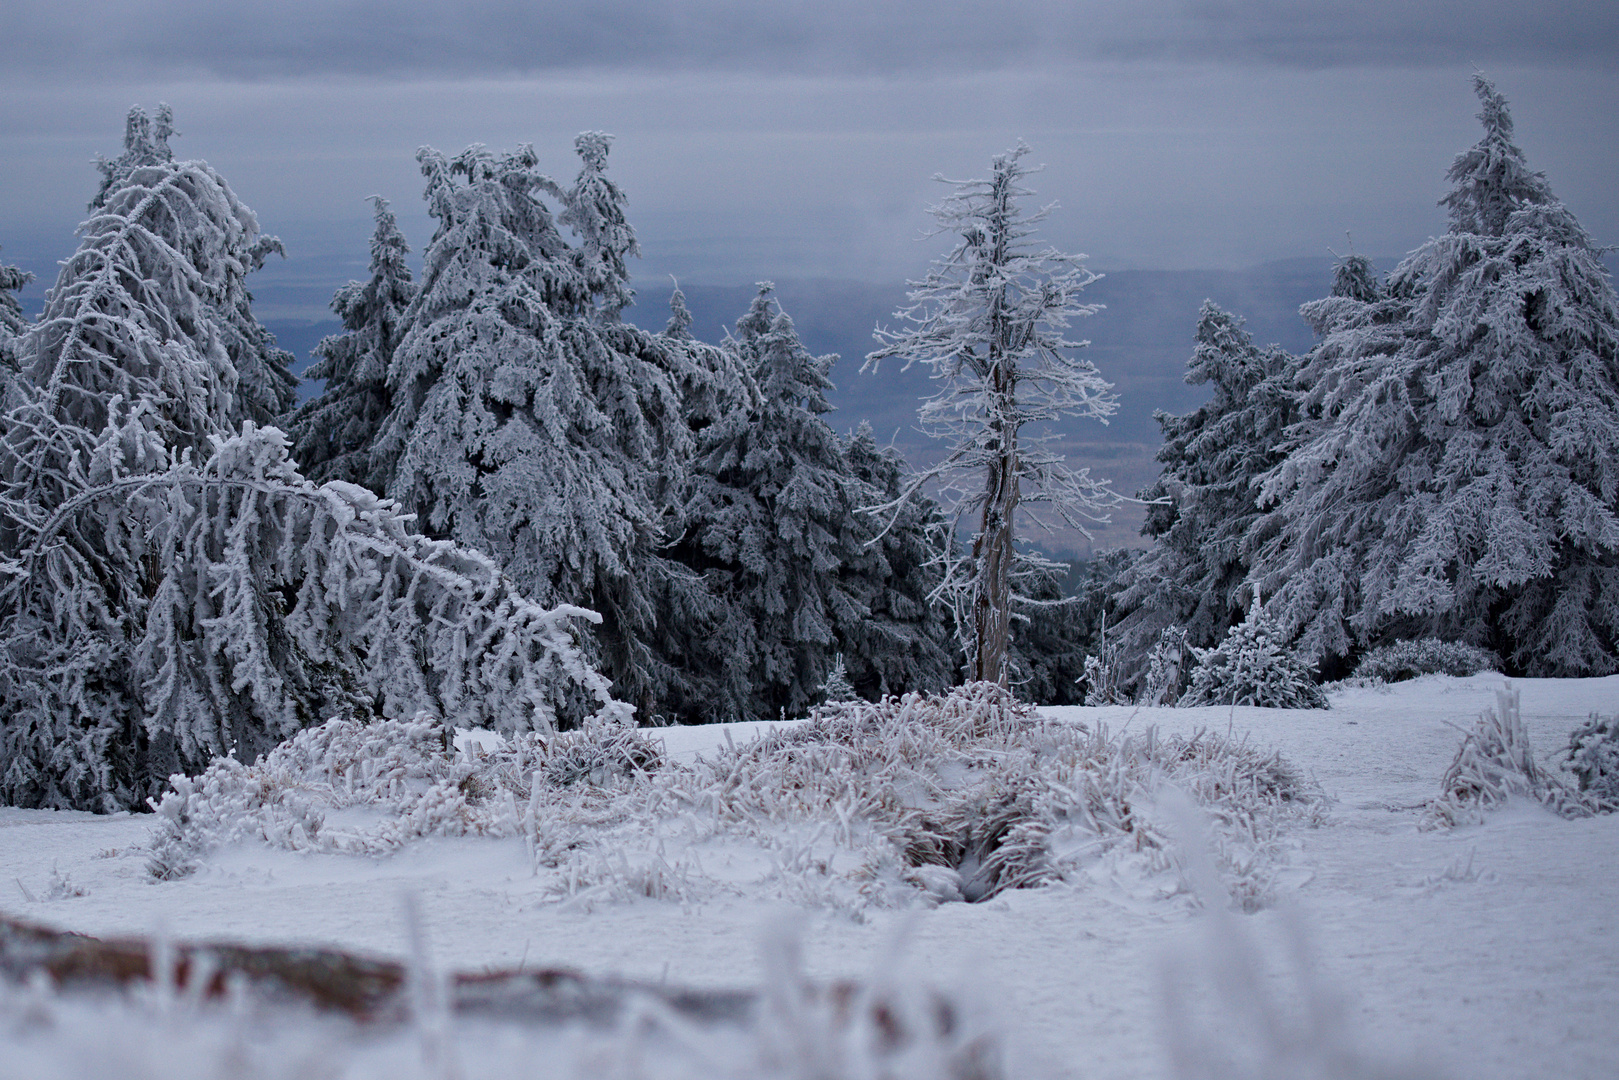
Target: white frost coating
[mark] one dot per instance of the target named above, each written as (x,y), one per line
(162,618)
(989,319)
(333,434)
(1461,481)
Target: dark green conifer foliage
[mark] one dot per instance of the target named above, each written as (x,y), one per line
(333,434)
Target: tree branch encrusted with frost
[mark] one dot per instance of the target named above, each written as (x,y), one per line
(164,618)
(989,319)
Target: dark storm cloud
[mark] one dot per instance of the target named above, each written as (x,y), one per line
(273,38)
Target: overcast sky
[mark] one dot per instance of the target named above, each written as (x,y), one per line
(796,139)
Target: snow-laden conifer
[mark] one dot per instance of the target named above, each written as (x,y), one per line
(523,423)
(12,322)
(1457,477)
(1202,510)
(837,686)
(154,304)
(989,319)
(334,433)
(771,521)
(204,606)
(1253,665)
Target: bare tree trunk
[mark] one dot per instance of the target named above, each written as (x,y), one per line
(993,550)
(992,605)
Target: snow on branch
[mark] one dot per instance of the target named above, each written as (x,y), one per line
(160,619)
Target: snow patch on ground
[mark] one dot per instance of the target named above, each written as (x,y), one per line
(1489,949)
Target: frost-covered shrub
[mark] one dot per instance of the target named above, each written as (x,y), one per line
(1166,667)
(918,799)
(357,788)
(1593,758)
(1430,656)
(1253,665)
(1494,763)
(1104,677)
(968,794)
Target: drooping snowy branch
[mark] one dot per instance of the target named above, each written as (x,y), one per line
(162,618)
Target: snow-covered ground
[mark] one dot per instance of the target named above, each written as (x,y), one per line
(1480,952)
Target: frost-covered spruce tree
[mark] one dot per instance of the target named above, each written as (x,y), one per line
(771,522)
(154,305)
(525,422)
(837,686)
(1456,478)
(334,433)
(989,320)
(1203,512)
(195,607)
(1253,665)
(12,322)
(906,642)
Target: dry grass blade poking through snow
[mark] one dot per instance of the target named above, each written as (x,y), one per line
(1494,763)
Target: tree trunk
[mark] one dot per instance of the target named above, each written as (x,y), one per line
(993,550)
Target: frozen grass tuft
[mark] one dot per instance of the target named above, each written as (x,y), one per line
(1494,763)
(918,799)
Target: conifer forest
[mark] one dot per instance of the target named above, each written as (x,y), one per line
(540,601)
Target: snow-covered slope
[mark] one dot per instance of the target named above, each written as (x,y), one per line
(1484,951)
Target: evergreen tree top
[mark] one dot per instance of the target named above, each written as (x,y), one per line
(146,142)
(154,302)
(1492,179)
(388,246)
(784,369)
(1354,278)
(594,210)
(679,325)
